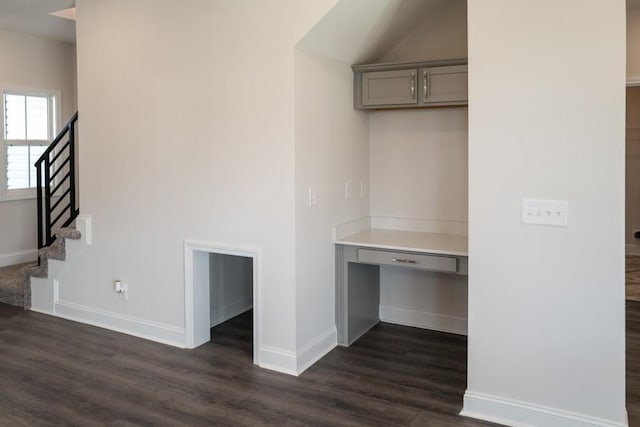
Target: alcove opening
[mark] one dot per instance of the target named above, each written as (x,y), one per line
(221,298)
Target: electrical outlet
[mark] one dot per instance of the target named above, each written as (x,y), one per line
(346,190)
(363,189)
(545,212)
(121,289)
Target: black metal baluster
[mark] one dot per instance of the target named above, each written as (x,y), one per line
(39,197)
(47,200)
(72,170)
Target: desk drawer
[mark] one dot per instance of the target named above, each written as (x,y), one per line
(426,262)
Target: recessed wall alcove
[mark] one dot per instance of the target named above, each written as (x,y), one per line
(221,282)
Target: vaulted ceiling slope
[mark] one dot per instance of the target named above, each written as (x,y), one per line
(32,17)
(358,31)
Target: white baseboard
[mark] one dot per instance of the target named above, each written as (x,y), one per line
(514,413)
(295,363)
(423,319)
(229,311)
(19,257)
(316,349)
(165,334)
(278,360)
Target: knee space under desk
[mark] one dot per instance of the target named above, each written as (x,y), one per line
(358,262)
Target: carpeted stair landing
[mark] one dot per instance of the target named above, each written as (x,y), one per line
(15,280)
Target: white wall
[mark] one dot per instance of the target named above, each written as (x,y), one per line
(31,62)
(231,286)
(424,299)
(546,304)
(188,133)
(332,148)
(419,164)
(633,44)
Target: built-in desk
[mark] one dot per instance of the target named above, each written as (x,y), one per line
(358,260)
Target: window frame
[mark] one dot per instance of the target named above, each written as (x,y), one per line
(55,100)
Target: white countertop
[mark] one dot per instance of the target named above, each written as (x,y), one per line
(446,244)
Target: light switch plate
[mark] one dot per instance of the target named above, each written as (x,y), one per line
(545,212)
(313,200)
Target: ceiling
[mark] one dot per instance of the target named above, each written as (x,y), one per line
(32,17)
(357,31)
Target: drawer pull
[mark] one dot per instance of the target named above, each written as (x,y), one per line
(425,79)
(405,261)
(413,85)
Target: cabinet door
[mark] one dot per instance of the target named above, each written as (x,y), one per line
(397,87)
(444,85)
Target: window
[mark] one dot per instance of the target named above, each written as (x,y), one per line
(29,120)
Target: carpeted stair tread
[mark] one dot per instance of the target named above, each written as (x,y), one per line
(55,251)
(68,233)
(14,285)
(41,271)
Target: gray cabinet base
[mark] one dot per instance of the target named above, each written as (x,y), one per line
(357,295)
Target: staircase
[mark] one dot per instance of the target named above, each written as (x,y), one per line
(15,280)
(57,210)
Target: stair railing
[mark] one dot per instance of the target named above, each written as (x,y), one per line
(56,178)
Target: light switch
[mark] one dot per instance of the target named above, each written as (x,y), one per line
(545,212)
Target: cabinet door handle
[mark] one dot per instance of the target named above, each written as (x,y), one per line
(425,82)
(405,261)
(413,85)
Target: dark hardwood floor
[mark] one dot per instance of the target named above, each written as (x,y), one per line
(56,372)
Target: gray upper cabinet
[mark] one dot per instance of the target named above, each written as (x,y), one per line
(410,85)
(398,87)
(445,85)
